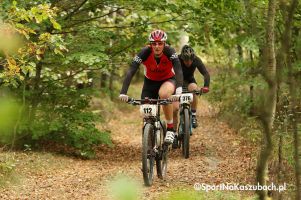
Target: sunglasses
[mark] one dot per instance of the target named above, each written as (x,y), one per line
(157,43)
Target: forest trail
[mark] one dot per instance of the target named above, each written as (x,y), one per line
(218,155)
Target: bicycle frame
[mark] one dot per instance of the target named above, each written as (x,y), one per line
(185,124)
(187,105)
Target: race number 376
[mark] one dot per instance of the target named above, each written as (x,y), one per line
(186,98)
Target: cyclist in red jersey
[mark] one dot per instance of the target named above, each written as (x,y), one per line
(162,75)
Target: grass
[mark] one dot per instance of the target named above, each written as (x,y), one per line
(15,165)
(124,188)
(203,195)
(8,174)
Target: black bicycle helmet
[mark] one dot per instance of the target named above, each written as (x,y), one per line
(187,53)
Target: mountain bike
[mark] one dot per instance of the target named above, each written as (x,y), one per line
(154,150)
(185,124)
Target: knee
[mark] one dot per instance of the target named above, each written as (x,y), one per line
(164,95)
(192,87)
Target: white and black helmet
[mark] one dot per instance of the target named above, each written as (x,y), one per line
(187,53)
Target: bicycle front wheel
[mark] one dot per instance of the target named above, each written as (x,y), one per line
(148,154)
(161,159)
(186,133)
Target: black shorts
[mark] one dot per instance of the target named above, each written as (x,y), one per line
(186,82)
(189,80)
(151,88)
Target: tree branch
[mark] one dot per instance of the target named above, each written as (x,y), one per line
(93,18)
(150,23)
(127,47)
(75,10)
(64,32)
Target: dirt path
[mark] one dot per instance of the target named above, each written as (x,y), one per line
(218,155)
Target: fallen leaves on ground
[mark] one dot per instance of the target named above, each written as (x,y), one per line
(217,155)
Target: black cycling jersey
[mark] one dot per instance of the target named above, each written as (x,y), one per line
(188,72)
(143,56)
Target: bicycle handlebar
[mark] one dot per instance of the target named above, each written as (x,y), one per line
(159,101)
(196,92)
(149,101)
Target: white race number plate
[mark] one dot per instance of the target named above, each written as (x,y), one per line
(186,98)
(148,110)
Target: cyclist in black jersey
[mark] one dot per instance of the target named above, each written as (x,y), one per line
(189,62)
(163,75)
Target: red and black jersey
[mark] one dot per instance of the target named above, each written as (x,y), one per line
(156,69)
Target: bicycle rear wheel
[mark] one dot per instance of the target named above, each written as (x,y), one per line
(148,154)
(161,159)
(186,133)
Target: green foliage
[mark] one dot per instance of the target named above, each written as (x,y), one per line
(31,26)
(189,195)
(202,195)
(6,167)
(9,113)
(63,118)
(55,109)
(123,188)
(55,45)
(231,92)
(7,171)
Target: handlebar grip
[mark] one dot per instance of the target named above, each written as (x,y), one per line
(198,92)
(130,100)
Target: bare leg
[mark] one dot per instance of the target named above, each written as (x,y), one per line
(166,90)
(175,115)
(191,87)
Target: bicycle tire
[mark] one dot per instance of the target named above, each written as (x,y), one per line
(148,157)
(186,133)
(161,159)
(180,132)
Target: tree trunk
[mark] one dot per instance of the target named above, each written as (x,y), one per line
(249,9)
(252,106)
(207,36)
(36,97)
(240,53)
(296,52)
(279,170)
(285,57)
(296,133)
(111,89)
(103,80)
(252,109)
(269,108)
